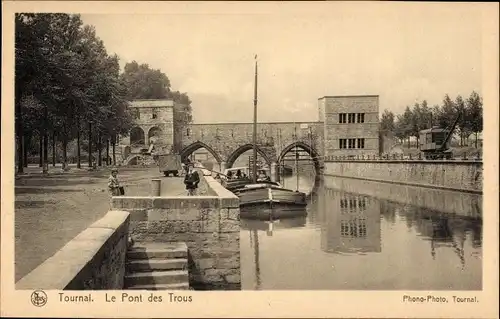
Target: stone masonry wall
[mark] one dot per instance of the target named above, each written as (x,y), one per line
(453,175)
(164,120)
(331,106)
(93,260)
(209,225)
(225,139)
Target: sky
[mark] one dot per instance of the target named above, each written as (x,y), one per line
(403,52)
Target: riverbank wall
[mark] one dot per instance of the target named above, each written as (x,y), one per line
(464,176)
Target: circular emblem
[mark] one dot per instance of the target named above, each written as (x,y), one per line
(39,298)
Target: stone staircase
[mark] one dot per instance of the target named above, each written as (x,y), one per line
(157,266)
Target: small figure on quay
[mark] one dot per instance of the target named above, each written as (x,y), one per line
(114,186)
(263,177)
(238,174)
(191,180)
(186,163)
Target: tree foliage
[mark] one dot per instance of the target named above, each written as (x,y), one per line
(143,82)
(65,79)
(421,116)
(387,122)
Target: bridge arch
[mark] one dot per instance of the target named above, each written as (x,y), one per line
(242,149)
(154,134)
(188,150)
(137,136)
(309,149)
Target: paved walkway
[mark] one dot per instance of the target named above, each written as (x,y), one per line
(51,210)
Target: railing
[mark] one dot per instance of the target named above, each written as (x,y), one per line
(401,157)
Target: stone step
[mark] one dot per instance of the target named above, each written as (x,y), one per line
(157,250)
(137,265)
(156,277)
(180,286)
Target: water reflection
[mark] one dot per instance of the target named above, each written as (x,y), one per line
(353,224)
(253,226)
(365,235)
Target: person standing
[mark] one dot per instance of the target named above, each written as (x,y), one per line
(191,180)
(114,186)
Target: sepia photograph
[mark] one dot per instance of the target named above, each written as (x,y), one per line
(252,146)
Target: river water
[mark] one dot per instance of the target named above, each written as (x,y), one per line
(359,235)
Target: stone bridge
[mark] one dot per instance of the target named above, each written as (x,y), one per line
(347,126)
(227,141)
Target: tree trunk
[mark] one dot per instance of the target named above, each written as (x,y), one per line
(65,145)
(45,147)
(99,149)
(26,142)
(19,130)
(65,149)
(475,142)
(113,142)
(45,135)
(41,150)
(78,162)
(53,148)
(107,151)
(90,144)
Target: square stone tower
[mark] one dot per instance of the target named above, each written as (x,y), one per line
(350,124)
(154,123)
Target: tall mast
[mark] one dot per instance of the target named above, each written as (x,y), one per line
(296,156)
(255,126)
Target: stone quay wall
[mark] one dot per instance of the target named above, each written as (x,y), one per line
(451,202)
(465,176)
(208,224)
(93,260)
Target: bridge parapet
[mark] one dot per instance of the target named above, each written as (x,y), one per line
(227,141)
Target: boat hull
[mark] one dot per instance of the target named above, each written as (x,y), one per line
(271,196)
(233,185)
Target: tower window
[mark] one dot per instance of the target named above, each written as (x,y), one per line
(342,143)
(361,143)
(342,117)
(351,118)
(361,117)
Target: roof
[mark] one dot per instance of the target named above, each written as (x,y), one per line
(345,96)
(152,103)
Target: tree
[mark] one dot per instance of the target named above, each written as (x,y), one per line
(463,125)
(448,113)
(475,114)
(403,125)
(415,121)
(426,116)
(387,122)
(64,73)
(435,115)
(142,82)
